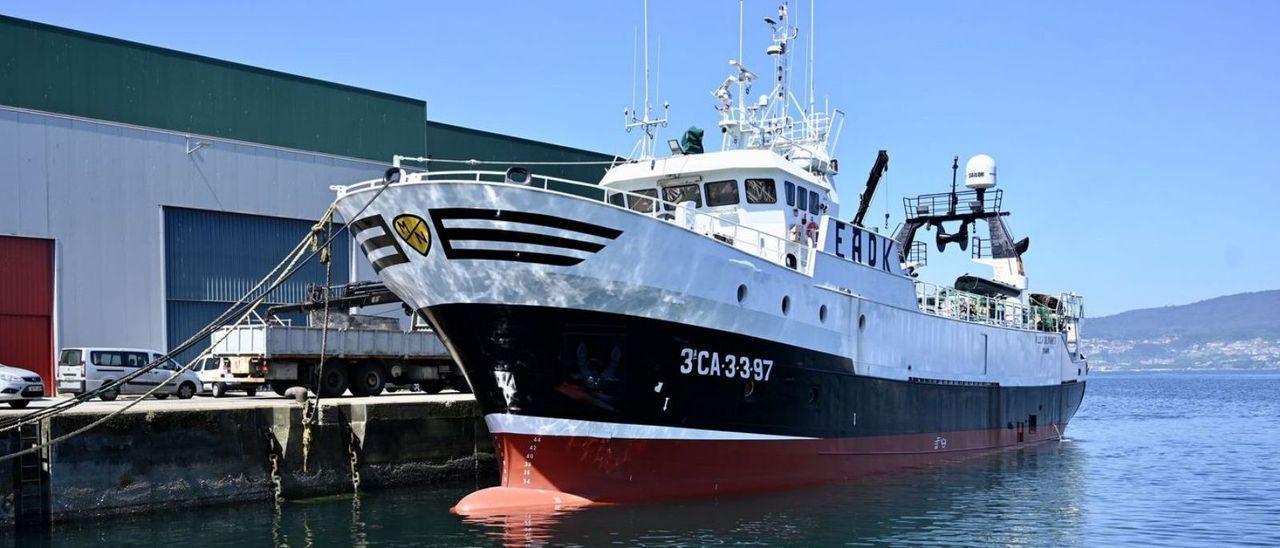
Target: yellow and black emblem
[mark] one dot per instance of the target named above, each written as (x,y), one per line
(413,230)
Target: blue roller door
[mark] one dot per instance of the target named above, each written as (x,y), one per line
(212,258)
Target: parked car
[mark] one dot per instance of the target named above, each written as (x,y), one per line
(18,387)
(85,369)
(216,378)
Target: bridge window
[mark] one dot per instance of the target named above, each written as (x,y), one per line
(643,205)
(680,194)
(722,193)
(813,202)
(791,193)
(802,198)
(761,191)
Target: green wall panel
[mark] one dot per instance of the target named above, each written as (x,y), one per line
(452,142)
(59,70)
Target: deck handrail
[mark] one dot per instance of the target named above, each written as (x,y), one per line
(759,243)
(949,302)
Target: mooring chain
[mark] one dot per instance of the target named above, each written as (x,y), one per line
(353,448)
(308,413)
(273,458)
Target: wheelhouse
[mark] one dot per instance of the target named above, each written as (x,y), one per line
(757,188)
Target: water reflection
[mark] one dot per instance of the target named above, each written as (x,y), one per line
(998,498)
(1029,495)
(1172,459)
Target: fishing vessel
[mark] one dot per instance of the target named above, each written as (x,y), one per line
(704,323)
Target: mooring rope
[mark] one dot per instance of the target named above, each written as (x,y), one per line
(311,408)
(294,265)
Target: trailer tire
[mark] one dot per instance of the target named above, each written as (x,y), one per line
(459,383)
(433,387)
(333,383)
(219,389)
(368,379)
(251,391)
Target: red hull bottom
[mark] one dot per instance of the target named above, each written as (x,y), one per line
(554,472)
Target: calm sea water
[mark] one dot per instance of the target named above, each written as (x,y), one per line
(1152,458)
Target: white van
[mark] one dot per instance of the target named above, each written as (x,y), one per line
(216,378)
(85,369)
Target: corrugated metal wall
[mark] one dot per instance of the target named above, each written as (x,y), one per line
(53,69)
(99,189)
(212,258)
(26,305)
(460,143)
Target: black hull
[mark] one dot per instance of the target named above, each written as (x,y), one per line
(594,366)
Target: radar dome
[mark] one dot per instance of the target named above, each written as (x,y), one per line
(980,172)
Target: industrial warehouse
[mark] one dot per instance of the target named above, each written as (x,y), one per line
(143,190)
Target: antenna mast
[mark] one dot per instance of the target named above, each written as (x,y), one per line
(646,122)
(808,71)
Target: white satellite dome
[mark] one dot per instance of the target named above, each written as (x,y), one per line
(980,172)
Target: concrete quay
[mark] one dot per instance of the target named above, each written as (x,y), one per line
(172,454)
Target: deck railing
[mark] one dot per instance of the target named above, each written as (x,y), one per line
(795,255)
(970,307)
(966,201)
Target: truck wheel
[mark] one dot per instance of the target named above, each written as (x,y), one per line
(432,387)
(19,404)
(459,383)
(368,380)
(251,391)
(219,390)
(186,390)
(334,381)
(110,395)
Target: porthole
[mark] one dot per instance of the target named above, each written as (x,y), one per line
(822,313)
(786,305)
(862,322)
(742,293)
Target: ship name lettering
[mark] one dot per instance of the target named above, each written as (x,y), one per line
(865,247)
(709,363)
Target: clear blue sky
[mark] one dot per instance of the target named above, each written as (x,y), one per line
(1138,141)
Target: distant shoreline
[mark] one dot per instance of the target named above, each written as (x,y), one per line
(1195,370)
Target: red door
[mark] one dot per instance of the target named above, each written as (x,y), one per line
(26,305)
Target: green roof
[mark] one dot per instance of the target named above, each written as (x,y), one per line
(53,69)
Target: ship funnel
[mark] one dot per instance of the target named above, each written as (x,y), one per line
(980,172)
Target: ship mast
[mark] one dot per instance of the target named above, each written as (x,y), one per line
(644,119)
(777,120)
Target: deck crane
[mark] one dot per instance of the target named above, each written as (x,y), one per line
(880,166)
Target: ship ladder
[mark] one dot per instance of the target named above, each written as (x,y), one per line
(31,477)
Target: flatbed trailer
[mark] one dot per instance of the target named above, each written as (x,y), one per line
(363,361)
(363,354)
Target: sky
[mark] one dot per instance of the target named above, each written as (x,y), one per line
(1138,142)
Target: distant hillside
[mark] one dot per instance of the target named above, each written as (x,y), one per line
(1235,331)
(1244,315)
